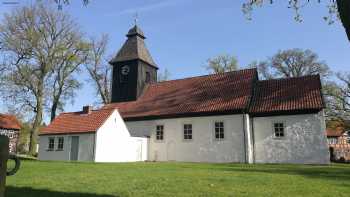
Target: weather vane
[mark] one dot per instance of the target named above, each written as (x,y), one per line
(136,18)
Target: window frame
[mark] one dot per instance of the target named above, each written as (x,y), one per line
(58,144)
(184,134)
(220,132)
(162,134)
(283,131)
(49,148)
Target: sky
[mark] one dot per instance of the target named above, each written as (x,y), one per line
(183,34)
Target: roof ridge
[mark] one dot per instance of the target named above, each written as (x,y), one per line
(207,75)
(72,112)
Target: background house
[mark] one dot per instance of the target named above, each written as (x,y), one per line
(339,144)
(10,126)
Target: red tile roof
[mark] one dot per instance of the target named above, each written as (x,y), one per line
(9,122)
(77,122)
(225,92)
(335,132)
(290,94)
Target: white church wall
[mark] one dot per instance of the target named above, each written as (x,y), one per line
(86,148)
(115,144)
(304,141)
(202,148)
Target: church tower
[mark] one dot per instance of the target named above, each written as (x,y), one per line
(133,68)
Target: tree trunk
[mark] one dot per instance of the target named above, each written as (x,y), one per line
(38,117)
(344,13)
(53,110)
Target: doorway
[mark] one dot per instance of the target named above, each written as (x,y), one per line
(171,151)
(74,150)
(139,150)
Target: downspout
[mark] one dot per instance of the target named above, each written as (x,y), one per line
(94,148)
(244,139)
(253,138)
(249,127)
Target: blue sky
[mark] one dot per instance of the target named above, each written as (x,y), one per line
(182,34)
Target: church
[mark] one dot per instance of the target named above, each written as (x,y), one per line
(217,118)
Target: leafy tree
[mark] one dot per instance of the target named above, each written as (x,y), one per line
(336,9)
(221,64)
(99,69)
(33,41)
(292,63)
(68,61)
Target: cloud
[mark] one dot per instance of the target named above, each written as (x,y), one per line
(150,7)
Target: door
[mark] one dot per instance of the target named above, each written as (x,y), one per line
(171,151)
(74,150)
(139,150)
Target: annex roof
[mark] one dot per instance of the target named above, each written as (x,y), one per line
(9,122)
(77,122)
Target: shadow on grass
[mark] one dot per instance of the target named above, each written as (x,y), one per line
(309,171)
(31,192)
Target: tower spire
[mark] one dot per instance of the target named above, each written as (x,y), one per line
(136,18)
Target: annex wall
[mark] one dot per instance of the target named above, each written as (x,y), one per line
(304,142)
(202,148)
(115,144)
(86,147)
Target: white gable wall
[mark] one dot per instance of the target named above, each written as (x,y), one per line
(304,141)
(86,147)
(203,147)
(115,144)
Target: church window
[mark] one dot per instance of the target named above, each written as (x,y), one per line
(60,143)
(187,131)
(160,132)
(51,143)
(148,77)
(279,129)
(219,130)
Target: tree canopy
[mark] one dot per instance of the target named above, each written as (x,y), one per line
(221,64)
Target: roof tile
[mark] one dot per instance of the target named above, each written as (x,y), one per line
(77,122)
(277,95)
(9,122)
(204,94)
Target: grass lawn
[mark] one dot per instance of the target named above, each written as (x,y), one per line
(52,179)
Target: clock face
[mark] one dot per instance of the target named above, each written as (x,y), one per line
(125,70)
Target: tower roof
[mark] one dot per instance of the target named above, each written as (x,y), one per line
(134,48)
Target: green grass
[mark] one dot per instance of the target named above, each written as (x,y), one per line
(52,179)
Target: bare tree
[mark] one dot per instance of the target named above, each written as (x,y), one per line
(338,97)
(163,76)
(99,69)
(31,38)
(221,64)
(336,9)
(292,63)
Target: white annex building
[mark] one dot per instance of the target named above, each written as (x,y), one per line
(229,117)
